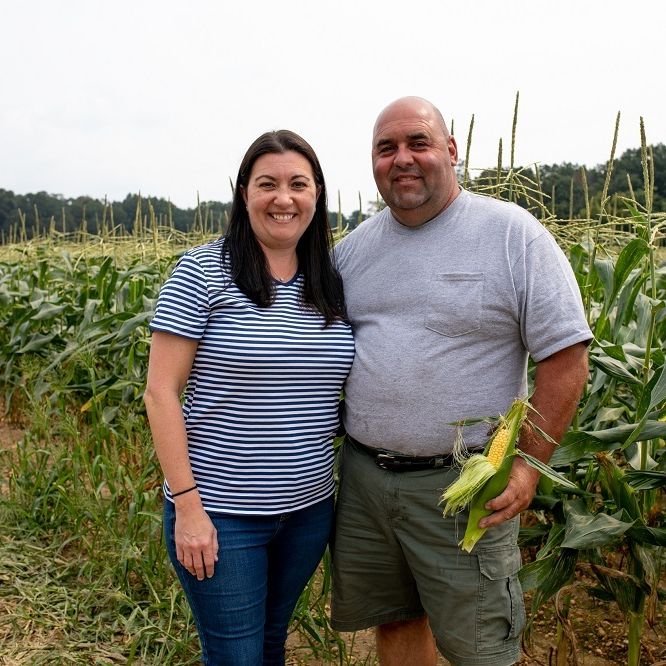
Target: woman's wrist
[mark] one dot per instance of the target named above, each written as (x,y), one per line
(187,501)
(184,492)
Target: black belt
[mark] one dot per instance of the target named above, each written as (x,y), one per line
(397,462)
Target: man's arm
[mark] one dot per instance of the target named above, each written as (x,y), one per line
(558,385)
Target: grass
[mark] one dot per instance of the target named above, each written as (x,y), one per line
(84,575)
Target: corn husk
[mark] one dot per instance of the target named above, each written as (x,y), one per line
(480,480)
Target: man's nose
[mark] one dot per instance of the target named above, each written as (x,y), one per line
(403,157)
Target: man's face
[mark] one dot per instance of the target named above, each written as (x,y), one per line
(412,161)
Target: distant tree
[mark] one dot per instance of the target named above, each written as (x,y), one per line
(7,210)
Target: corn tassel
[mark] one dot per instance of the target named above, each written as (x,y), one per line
(485,476)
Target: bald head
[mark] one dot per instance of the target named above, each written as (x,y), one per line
(413,160)
(417,106)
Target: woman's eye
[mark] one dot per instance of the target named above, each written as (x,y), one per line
(299,185)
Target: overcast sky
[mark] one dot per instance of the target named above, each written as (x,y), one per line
(162,96)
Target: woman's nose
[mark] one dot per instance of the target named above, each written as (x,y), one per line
(283,197)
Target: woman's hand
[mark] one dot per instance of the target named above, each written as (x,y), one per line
(196,540)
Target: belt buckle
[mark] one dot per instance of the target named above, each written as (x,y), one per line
(384,459)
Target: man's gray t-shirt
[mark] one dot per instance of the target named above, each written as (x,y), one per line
(444,318)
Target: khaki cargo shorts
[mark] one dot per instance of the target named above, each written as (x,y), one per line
(396,558)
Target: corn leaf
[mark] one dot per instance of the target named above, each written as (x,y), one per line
(629,258)
(553,542)
(48,311)
(549,573)
(579,444)
(614,368)
(547,576)
(613,482)
(645,479)
(37,343)
(604,270)
(625,303)
(651,536)
(549,472)
(614,351)
(585,530)
(657,390)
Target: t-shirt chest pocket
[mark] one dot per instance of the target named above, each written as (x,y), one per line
(454,303)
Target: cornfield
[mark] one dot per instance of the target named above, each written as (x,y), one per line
(84,575)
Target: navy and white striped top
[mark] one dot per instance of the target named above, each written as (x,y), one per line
(261,403)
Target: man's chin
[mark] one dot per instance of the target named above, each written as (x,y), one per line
(405,203)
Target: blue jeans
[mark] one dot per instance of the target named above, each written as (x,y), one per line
(242,612)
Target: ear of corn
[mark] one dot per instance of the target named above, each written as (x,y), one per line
(477,507)
(485,476)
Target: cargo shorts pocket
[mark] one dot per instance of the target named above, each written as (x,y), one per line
(501,609)
(454,303)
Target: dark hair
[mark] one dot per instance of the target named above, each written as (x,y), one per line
(322,288)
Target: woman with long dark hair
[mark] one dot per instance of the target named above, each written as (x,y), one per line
(252,328)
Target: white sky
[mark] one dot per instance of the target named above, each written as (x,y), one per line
(164,96)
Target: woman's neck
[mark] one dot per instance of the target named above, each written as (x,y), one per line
(282,264)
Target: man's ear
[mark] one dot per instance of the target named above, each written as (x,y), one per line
(453,151)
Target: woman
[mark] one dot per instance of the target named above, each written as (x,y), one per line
(252,327)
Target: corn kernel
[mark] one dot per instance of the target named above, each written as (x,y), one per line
(499,446)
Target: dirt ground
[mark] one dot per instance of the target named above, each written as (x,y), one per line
(10,434)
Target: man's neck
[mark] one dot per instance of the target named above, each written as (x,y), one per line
(417,217)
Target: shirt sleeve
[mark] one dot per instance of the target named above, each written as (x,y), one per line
(183,305)
(553,316)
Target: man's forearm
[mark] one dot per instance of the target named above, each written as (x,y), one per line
(558,385)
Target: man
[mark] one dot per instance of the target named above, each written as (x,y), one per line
(448,293)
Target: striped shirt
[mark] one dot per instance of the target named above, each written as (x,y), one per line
(261,403)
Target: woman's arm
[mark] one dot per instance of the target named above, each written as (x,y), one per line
(171,358)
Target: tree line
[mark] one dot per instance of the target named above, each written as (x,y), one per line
(570,191)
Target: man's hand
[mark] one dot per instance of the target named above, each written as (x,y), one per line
(516,497)
(558,384)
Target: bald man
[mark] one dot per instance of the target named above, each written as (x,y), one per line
(448,293)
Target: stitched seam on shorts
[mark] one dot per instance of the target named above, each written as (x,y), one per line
(479,608)
(511,657)
(374,620)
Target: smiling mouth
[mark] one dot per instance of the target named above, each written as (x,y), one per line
(405,179)
(282,217)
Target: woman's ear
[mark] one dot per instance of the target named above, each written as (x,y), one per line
(243,194)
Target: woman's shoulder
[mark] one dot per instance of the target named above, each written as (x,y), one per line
(204,252)
(203,263)
(209,256)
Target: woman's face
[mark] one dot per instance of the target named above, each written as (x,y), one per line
(281,196)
